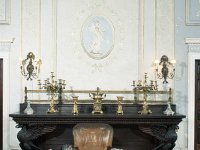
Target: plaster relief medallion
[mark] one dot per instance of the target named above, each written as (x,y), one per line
(97,37)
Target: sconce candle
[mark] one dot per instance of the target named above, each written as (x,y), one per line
(173,62)
(156,62)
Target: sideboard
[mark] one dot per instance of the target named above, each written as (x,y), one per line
(43,131)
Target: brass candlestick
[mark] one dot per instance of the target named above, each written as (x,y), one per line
(97,97)
(52,108)
(145,88)
(119,106)
(52,87)
(75,106)
(145,109)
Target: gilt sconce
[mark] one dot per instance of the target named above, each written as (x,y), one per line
(30,67)
(167,68)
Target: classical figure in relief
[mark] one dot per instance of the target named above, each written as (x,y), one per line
(97,37)
(98,32)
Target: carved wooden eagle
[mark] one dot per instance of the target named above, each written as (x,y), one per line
(29,133)
(166,135)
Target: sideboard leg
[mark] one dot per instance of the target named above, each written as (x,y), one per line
(165,134)
(29,133)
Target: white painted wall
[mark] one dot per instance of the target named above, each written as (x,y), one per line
(144,31)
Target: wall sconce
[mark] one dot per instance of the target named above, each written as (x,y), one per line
(30,68)
(165,72)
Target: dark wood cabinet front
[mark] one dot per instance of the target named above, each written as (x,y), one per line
(43,131)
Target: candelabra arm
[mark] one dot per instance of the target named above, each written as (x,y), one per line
(60,95)
(25,94)
(135,96)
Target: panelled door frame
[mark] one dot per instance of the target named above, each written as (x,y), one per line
(8,143)
(1,104)
(197,105)
(192,56)
(4,55)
